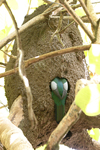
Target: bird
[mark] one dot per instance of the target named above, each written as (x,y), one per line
(59,91)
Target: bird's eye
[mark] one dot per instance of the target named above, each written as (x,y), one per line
(65,85)
(53,85)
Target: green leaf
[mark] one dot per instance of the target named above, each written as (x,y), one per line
(7,29)
(94,58)
(86,53)
(13,4)
(28,1)
(80,12)
(94,133)
(88,99)
(40,2)
(4,32)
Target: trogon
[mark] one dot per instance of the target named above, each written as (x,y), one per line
(59,90)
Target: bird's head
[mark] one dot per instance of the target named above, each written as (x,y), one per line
(60,87)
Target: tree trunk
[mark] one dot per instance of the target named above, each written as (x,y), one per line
(36,41)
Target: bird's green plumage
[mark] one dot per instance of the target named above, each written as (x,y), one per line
(59,99)
(60,88)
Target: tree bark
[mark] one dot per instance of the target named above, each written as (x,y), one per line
(12,137)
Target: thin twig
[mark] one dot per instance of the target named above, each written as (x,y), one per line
(78,5)
(90,8)
(14,22)
(70,18)
(4,64)
(22,73)
(52,8)
(3,106)
(11,56)
(77,19)
(29,7)
(95,2)
(32,22)
(9,44)
(1,2)
(46,56)
(98,33)
(58,29)
(48,1)
(6,52)
(87,13)
(66,27)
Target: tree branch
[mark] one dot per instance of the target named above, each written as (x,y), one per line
(87,13)
(16,114)
(98,33)
(22,72)
(78,5)
(91,10)
(48,1)
(70,18)
(29,7)
(3,106)
(11,56)
(1,2)
(64,126)
(4,64)
(12,137)
(31,22)
(77,19)
(48,55)
(14,22)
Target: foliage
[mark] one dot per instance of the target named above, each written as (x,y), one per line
(90,95)
(4,32)
(80,12)
(40,2)
(95,134)
(13,4)
(88,99)
(94,58)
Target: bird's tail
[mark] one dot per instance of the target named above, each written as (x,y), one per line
(59,112)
